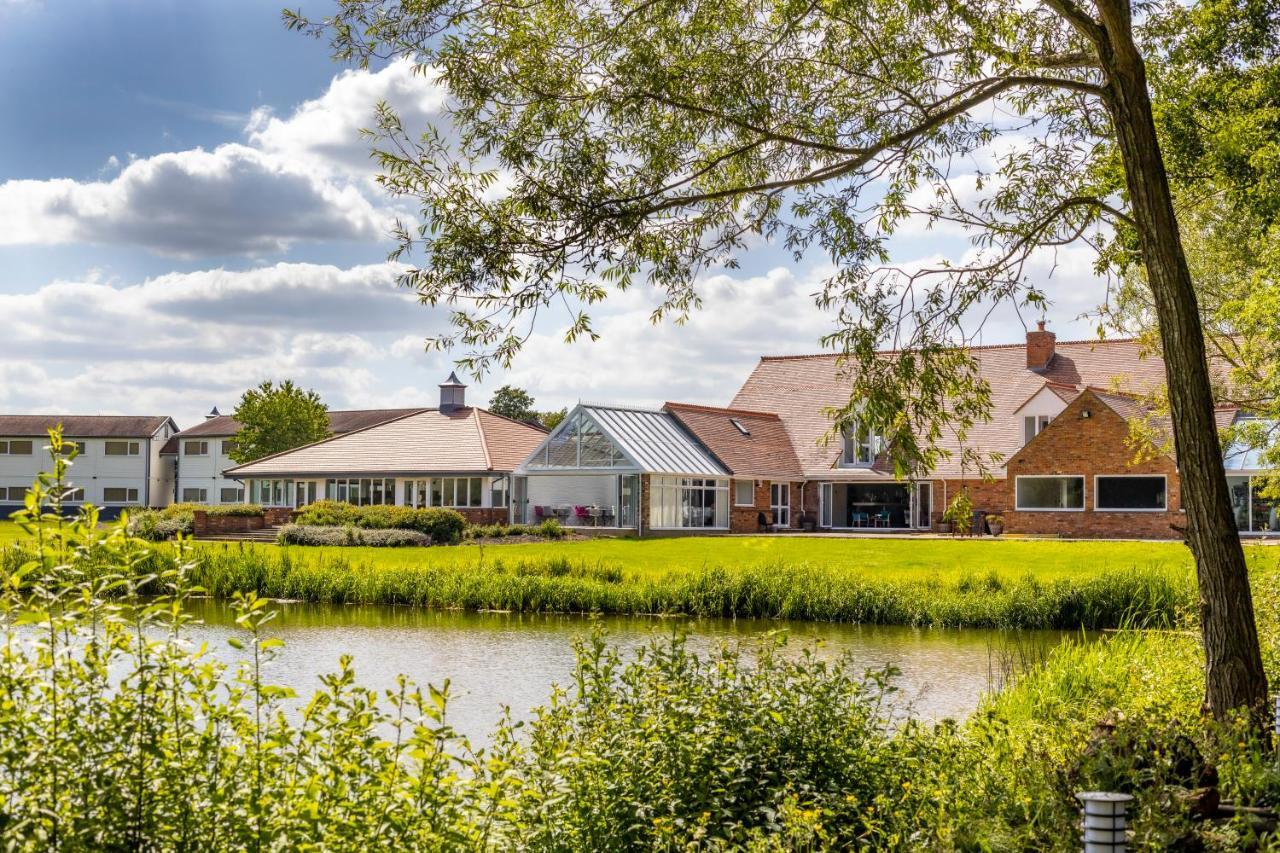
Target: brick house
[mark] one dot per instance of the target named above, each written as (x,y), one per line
(453,455)
(1059,424)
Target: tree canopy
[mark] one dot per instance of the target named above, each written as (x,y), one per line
(514,403)
(594,147)
(275,418)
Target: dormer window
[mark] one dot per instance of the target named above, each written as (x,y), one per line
(861,445)
(1033,425)
(739,426)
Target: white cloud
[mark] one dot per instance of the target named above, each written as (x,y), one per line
(303,178)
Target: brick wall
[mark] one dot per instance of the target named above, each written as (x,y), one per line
(1075,445)
(485,515)
(204,524)
(990,496)
(746,519)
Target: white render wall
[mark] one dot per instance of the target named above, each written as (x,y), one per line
(205,472)
(95,472)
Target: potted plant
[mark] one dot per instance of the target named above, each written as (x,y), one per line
(959,513)
(995,523)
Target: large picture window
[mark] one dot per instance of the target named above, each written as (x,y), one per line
(862,444)
(1049,494)
(1129,494)
(688,502)
(457,491)
(365,491)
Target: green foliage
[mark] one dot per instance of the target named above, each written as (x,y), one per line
(551,420)
(959,512)
(275,418)
(444,526)
(514,403)
(300,534)
(549,529)
(185,510)
(146,742)
(154,526)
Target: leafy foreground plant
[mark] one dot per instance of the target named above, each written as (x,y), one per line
(117,733)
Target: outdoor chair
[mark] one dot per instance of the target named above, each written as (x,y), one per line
(764,521)
(595,512)
(539,512)
(882,518)
(860,519)
(582,514)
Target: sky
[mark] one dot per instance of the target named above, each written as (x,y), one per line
(187,208)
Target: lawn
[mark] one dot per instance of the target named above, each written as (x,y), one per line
(898,559)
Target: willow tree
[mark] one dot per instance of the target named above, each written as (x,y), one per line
(592,145)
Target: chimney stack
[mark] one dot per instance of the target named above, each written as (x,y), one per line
(453,394)
(1040,346)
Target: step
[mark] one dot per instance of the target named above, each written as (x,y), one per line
(266,534)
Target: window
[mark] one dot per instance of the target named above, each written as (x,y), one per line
(231,496)
(228,447)
(579,444)
(861,445)
(16,447)
(457,491)
(780,503)
(744,493)
(195,448)
(69,447)
(16,494)
(195,496)
(119,495)
(498,491)
(1050,493)
(122,448)
(1033,425)
(73,495)
(1133,494)
(365,491)
(739,426)
(685,502)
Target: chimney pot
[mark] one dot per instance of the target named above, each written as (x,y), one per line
(1040,347)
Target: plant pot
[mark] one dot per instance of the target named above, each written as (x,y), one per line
(996,529)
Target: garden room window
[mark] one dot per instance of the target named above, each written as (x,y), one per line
(362,491)
(744,493)
(580,444)
(457,492)
(1130,494)
(688,502)
(1050,493)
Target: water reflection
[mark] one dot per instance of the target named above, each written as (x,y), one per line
(496,659)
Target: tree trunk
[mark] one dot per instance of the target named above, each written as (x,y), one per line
(1234,677)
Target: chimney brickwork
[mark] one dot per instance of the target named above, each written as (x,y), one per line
(1040,347)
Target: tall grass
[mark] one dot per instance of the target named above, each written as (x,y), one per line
(800,591)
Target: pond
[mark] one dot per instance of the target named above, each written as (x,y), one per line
(492,659)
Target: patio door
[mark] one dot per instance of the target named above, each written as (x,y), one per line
(780,503)
(628,500)
(520,500)
(922,508)
(824,505)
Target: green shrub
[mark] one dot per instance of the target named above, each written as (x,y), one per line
(185,510)
(442,525)
(551,528)
(298,534)
(155,526)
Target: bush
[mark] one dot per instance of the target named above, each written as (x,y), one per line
(155,526)
(550,529)
(442,525)
(302,534)
(186,510)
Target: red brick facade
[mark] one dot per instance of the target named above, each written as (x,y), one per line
(1088,445)
(485,515)
(746,519)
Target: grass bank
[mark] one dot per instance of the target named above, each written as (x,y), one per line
(897,582)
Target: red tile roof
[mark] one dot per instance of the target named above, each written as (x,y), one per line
(800,388)
(765,452)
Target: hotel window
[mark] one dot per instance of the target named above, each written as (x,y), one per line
(1033,425)
(195,496)
(73,496)
(1064,494)
(228,447)
(744,492)
(861,445)
(16,494)
(118,495)
(688,502)
(231,496)
(16,447)
(195,448)
(1129,494)
(122,448)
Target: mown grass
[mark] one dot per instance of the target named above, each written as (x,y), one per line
(913,591)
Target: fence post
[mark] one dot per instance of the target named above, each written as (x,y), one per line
(1105,822)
